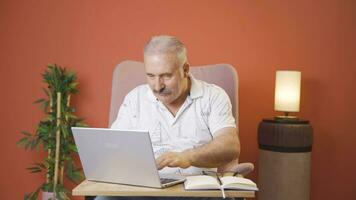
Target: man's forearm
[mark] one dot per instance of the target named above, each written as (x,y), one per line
(221,150)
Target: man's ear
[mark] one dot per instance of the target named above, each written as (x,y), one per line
(186,69)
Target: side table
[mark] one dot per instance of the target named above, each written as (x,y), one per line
(284,161)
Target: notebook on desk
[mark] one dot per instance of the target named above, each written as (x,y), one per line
(120,156)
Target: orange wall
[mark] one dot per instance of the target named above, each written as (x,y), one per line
(257,37)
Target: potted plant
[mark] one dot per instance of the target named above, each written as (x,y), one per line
(54,135)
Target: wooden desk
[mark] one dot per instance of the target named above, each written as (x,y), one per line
(92,188)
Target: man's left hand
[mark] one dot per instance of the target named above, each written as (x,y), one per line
(173,159)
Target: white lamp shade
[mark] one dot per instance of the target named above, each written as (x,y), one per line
(287,91)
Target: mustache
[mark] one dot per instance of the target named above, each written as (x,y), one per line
(163,90)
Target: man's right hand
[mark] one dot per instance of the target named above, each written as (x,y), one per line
(173,159)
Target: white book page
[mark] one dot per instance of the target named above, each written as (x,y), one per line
(234,182)
(201,182)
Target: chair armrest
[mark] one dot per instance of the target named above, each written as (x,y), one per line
(240,168)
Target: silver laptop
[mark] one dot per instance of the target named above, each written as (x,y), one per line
(120,156)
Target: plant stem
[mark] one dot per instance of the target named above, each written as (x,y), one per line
(58,142)
(62,166)
(50,112)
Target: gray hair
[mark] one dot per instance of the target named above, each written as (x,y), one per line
(166,45)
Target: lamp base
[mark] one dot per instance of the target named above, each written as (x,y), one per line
(288,117)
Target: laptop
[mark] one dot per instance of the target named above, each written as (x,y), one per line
(120,156)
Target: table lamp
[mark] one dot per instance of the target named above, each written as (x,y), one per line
(287,93)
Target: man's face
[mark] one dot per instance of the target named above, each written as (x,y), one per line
(165,77)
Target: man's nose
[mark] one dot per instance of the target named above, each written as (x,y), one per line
(159,84)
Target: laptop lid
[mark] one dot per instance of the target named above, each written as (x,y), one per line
(117,156)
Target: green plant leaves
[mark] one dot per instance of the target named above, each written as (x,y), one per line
(74,174)
(28,142)
(40,100)
(37,167)
(33,195)
(58,80)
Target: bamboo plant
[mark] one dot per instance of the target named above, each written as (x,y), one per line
(54,135)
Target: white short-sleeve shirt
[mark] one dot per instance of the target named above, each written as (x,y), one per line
(206,110)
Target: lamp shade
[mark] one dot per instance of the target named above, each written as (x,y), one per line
(287,91)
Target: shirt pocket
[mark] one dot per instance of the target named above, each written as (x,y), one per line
(202,130)
(155,131)
(152,125)
(193,133)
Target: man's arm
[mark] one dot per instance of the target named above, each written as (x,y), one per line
(224,148)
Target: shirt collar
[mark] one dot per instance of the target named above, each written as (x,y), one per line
(196,90)
(150,94)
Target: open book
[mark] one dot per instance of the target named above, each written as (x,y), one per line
(206,182)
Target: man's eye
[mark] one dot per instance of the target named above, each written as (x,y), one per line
(167,76)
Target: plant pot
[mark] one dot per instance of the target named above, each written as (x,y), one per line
(48,196)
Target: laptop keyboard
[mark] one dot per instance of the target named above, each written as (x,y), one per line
(167,180)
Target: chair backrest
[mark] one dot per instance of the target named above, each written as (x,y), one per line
(129,74)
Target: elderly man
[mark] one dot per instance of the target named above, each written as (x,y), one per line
(190,121)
